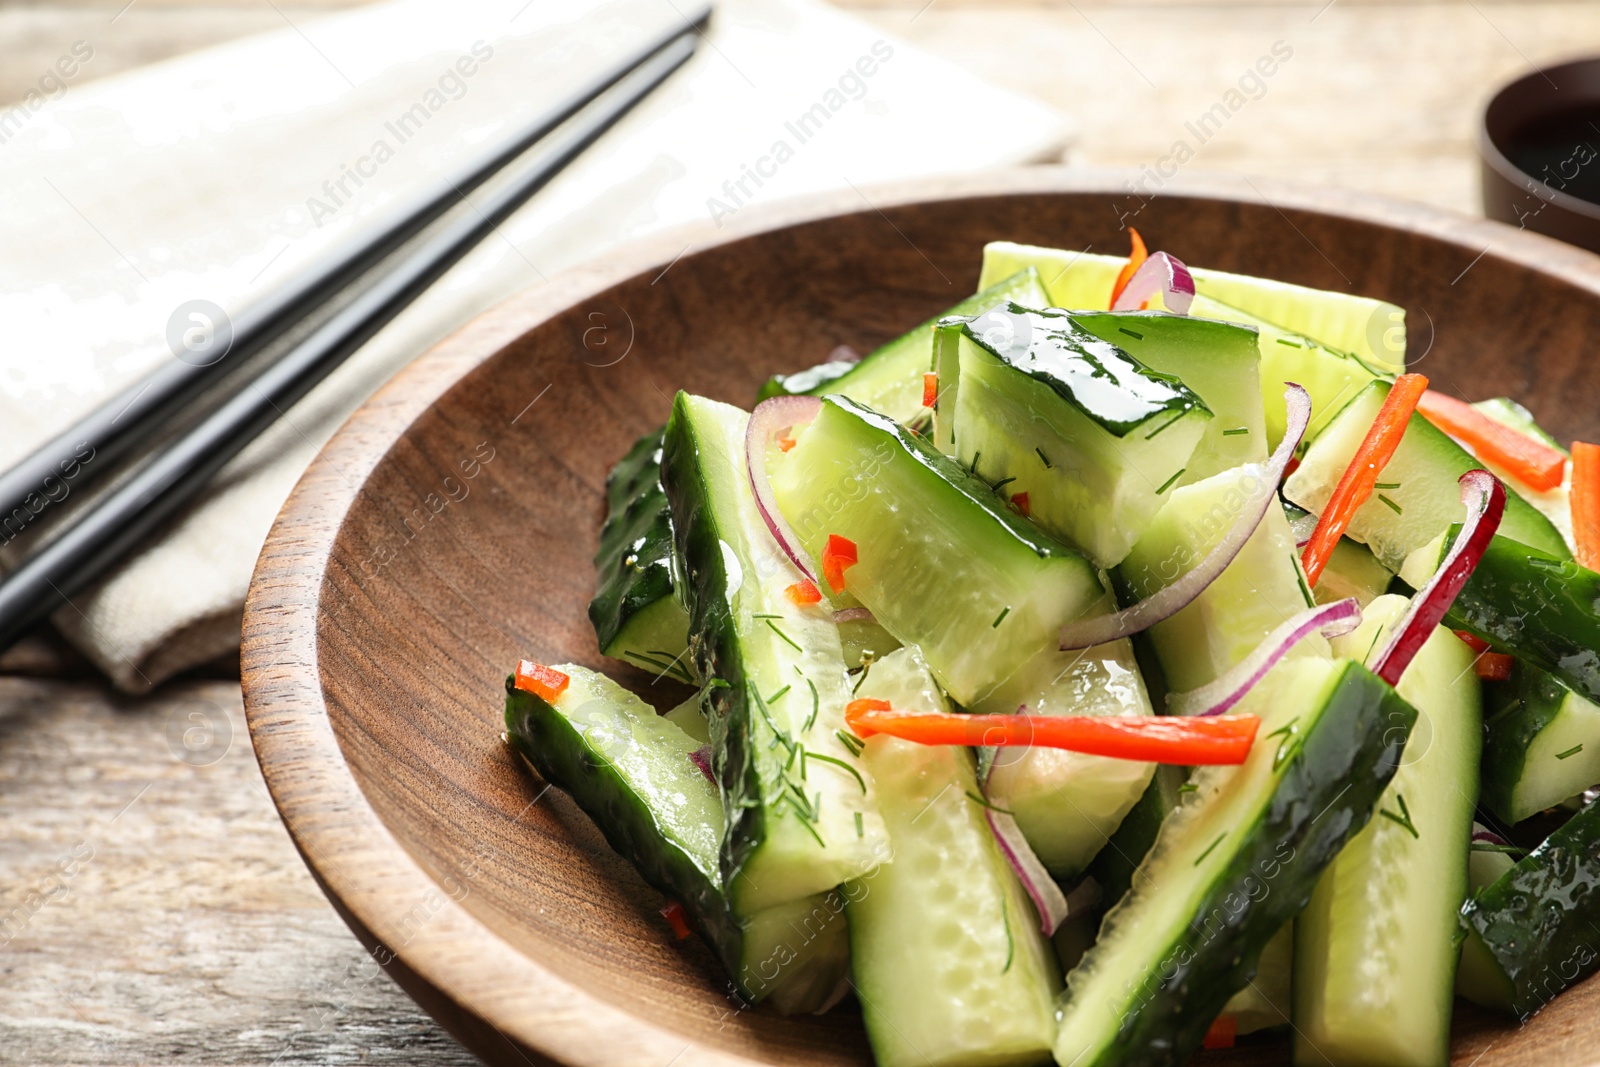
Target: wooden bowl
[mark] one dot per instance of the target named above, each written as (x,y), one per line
(448,530)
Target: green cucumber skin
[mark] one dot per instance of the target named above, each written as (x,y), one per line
(903,360)
(714,641)
(634,561)
(561,755)
(1114,866)
(1063,356)
(1536,605)
(1218,361)
(1523,708)
(1323,798)
(1541,921)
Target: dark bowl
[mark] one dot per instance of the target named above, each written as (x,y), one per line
(1545,103)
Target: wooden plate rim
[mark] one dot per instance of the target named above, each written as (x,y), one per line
(368,875)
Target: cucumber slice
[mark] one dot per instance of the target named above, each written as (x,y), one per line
(802,818)
(1542,745)
(1218,360)
(629,770)
(1554,504)
(1539,606)
(1258,591)
(690,717)
(1113,868)
(1417,494)
(634,614)
(943,564)
(1373,331)
(1375,950)
(1068,804)
(1531,934)
(889,379)
(1264,1002)
(1235,862)
(949,964)
(1351,571)
(1032,401)
(1508,412)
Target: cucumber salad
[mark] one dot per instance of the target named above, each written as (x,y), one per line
(1133,658)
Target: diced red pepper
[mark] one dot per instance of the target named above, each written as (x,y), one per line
(676,918)
(1585,503)
(1223,1032)
(839,555)
(1136,257)
(1532,462)
(1473,641)
(1494,666)
(804,592)
(1361,477)
(544,682)
(930,389)
(1184,740)
(1020,502)
(785,443)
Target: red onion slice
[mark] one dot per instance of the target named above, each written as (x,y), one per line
(853,614)
(701,758)
(1485,499)
(1161,273)
(1047,897)
(766,420)
(1098,629)
(1218,696)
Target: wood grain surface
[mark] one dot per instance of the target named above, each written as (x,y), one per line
(447,530)
(1379,96)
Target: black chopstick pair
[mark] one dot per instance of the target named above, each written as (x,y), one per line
(89,544)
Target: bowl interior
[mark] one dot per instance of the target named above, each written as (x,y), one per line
(470,543)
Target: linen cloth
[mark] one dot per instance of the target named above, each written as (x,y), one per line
(218,175)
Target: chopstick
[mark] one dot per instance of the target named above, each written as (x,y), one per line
(126,421)
(95,540)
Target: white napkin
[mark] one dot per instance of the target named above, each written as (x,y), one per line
(219,175)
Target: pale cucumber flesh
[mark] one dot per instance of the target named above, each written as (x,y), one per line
(1068,804)
(795,831)
(1375,950)
(942,563)
(1261,589)
(949,963)
(1417,497)
(1372,330)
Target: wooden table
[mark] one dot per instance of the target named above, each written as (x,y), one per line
(151,906)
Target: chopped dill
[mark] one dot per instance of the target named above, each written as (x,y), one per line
(765,615)
(1011,942)
(1044,458)
(1164,425)
(1003,482)
(862,782)
(1236,431)
(1573,751)
(998,619)
(1396,508)
(786,638)
(1404,818)
(982,801)
(851,741)
(816,702)
(1386,485)
(860,830)
(1199,859)
(1168,483)
(775,697)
